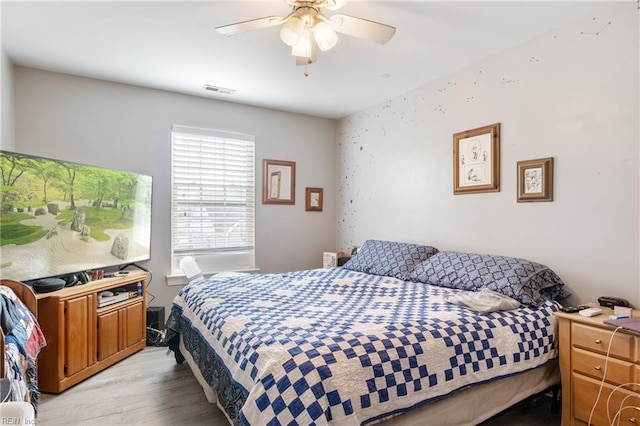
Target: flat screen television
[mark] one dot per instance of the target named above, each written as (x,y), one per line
(59,218)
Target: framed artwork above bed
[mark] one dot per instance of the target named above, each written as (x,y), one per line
(535,180)
(476,160)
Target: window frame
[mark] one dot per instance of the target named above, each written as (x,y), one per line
(215,259)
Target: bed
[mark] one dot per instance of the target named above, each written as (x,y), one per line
(395,334)
(22,339)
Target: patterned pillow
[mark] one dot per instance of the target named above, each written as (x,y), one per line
(389,258)
(528,282)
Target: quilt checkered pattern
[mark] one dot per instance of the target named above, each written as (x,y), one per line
(344,347)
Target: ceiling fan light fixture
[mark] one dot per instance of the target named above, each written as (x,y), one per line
(303,48)
(291,31)
(306,30)
(325,36)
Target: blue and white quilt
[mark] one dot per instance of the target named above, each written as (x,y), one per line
(343,347)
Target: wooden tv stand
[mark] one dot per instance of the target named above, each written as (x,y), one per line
(84,339)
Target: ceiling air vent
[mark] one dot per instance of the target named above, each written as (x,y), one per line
(216,89)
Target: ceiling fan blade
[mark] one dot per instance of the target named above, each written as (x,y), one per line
(362,28)
(251,25)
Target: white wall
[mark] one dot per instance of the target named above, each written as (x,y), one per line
(6,102)
(128,128)
(571,95)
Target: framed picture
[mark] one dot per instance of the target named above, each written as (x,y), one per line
(329,260)
(535,180)
(313,199)
(476,160)
(278,182)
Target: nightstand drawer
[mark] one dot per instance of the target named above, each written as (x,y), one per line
(597,339)
(591,364)
(585,391)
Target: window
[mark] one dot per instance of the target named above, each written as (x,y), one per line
(213,198)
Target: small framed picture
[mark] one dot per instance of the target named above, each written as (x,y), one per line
(535,180)
(329,259)
(313,199)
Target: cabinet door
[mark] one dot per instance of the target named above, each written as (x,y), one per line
(135,324)
(76,335)
(107,335)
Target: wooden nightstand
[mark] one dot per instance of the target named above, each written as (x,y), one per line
(342,260)
(583,348)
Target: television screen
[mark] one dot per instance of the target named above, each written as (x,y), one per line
(58,218)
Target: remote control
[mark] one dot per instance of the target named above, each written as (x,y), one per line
(572,309)
(590,312)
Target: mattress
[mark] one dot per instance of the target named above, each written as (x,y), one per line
(338,346)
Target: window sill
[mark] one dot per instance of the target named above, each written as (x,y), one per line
(181,279)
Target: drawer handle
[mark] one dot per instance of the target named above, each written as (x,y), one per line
(598,341)
(597,367)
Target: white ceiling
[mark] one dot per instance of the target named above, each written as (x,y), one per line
(173,46)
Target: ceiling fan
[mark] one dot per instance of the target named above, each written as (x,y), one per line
(306,29)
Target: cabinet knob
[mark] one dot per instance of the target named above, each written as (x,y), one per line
(598,341)
(632,419)
(597,367)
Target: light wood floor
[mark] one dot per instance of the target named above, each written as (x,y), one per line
(149,388)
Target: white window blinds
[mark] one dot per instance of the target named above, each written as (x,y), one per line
(213,191)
